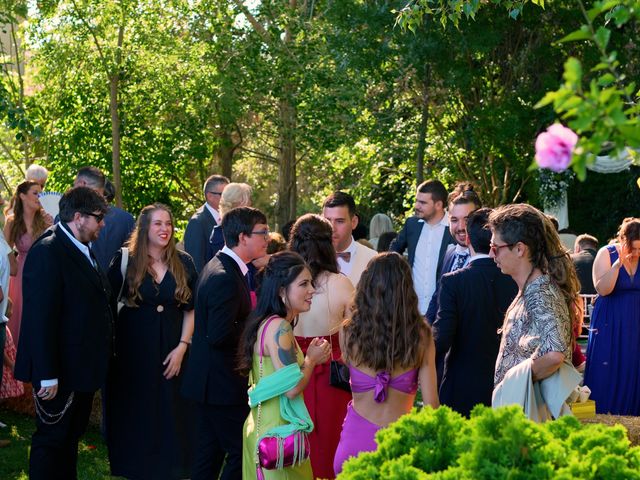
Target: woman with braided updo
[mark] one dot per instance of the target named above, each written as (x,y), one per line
(327,405)
(538,324)
(613,370)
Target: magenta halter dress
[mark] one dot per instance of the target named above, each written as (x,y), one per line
(358,433)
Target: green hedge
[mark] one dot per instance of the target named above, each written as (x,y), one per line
(495,444)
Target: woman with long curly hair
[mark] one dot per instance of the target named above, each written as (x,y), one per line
(327,404)
(22,228)
(538,324)
(613,371)
(148,422)
(268,350)
(389,349)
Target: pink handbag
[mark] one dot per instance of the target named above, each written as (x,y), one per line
(274,452)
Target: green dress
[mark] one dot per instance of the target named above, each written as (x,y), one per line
(269,417)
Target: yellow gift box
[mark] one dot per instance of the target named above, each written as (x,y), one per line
(583,409)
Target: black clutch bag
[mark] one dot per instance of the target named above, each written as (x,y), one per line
(339,375)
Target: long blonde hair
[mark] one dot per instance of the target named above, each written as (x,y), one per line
(140,261)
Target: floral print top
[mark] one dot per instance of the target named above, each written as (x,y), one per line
(537,322)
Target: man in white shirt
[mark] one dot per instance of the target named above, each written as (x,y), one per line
(339,209)
(196,235)
(426,237)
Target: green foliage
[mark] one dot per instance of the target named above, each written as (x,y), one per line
(600,103)
(494,444)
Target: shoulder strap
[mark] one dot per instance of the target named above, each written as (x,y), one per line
(124,261)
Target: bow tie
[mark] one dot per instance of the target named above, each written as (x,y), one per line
(346,256)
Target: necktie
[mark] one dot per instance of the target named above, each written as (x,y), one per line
(458,262)
(346,256)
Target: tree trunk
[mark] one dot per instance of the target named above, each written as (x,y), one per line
(422,132)
(224,153)
(114,81)
(115,136)
(287,181)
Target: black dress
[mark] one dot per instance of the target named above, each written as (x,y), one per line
(149,424)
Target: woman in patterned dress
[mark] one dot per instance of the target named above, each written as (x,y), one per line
(538,324)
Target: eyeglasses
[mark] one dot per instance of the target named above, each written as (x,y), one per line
(215,193)
(98,216)
(264,233)
(493,248)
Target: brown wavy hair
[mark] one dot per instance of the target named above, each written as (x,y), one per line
(629,230)
(523,223)
(140,261)
(18,226)
(386,330)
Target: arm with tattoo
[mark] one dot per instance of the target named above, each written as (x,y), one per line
(286,344)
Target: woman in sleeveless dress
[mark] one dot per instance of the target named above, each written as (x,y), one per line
(327,405)
(268,346)
(613,371)
(389,350)
(149,424)
(22,228)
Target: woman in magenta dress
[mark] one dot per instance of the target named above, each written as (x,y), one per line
(327,405)
(613,370)
(389,350)
(23,226)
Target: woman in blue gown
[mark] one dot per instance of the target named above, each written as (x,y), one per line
(613,370)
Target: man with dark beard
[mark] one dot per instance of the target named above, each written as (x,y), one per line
(66,332)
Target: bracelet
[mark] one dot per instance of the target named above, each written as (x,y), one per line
(185,342)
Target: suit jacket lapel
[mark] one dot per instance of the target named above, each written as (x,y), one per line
(230,265)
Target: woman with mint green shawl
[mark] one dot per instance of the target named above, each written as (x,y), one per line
(278,372)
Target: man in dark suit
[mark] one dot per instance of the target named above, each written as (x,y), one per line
(426,237)
(472,305)
(222,304)
(118,224)
(462,201)
(66,333)
(200,226)
(585,250)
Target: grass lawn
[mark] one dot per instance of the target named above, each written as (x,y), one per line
(14,464)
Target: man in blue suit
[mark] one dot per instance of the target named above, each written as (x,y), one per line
(426,237)
(200,226)
(118,223)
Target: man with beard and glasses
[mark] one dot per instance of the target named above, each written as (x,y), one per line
(66,335)
(462,202)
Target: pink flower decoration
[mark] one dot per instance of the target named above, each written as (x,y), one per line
(555,147)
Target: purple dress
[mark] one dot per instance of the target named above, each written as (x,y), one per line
(358,433)
(23,244)
(613,371)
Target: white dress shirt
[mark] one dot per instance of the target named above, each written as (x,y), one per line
(214,212)
(243,266)
(425,262)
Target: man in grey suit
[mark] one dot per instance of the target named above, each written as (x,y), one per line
(200,226)
(426,237)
